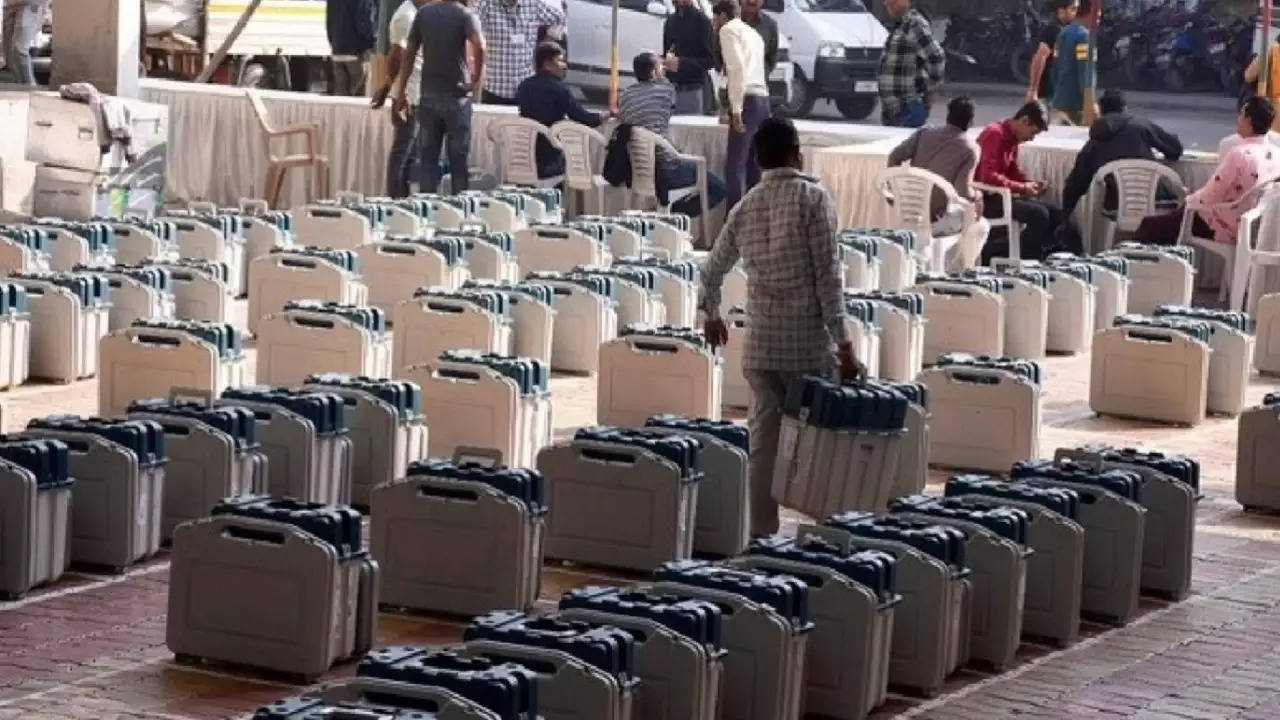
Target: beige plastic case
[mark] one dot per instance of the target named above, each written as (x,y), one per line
(136,246)
(680,297)
(492,262)
(1112,297)
(15,349)
(198,295)
(961,318)
(330,226)
(35,531)
(913,458)
(733,290)
(901,342)
(1157,279)
(393,270)
(261,237)
(1026,318)
(560,249)
(199,241)
(532,325)
(1071,313)
(140,363)
(425,327)
(981,419)
(637,305)
(61,133)
(132,300)
(642,376)
(16,257)
(1257,457)
(277,278)
(1230,353)
(584,322)
(300,464)
(1150,374)
(1266,354)
(448,705)
(499,215)
(64,333)
(858,271)
(865,338)
(898,266)
(293,344)
(723,523)
(734,390)
(67,250)
(821,472)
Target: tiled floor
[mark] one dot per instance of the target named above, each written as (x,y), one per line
(92,646)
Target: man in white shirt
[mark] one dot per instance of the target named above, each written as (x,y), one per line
(401,159)
(743,51)
(21,25)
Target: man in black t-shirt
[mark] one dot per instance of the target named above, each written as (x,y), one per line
(1040,78)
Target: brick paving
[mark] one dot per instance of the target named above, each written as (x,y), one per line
(92,646)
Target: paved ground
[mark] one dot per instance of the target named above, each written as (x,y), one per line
(92,646)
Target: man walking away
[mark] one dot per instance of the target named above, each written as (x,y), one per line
(1071,70)
(784,231)
(911,69)
(511,28)
(1040,76)
(748,90)
(947,151)
(441,31)
(21,26)
(545,98)
(401,160)
(686,42)
(350,24)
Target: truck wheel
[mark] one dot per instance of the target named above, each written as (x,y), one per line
(802,98)
(858,107)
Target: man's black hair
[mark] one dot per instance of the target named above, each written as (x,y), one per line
(1112,101)
(777,143)
(960,112)
(725,7)
(1086,6)
(546,51)
(1035,113)
(1261,114)
(645,65)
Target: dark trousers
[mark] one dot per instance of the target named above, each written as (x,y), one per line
(488,98)
(1040,221)
(1164,228)
(444,121)
(402,160)
(685,174)
(347,77)
(741,171)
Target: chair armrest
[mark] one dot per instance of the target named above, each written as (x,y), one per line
(1006,199)
(1188,222)
(1245,235)
(311,130)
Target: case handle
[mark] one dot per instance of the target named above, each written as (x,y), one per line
(951,291)
(432,491)
(840,538)
(310,322)
(487,457)
(387,249)
(250,534)
(324,213)
(297,263)
(1150,335)
(197,395)
(655,347)
(438,306)
(608,456)
(974,377)
(456,374)
(155,340)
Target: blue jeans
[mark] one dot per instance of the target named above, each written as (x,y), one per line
(444,120)
(402,160)
(912,115)
(685,174)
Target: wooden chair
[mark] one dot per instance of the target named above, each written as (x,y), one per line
(279,165)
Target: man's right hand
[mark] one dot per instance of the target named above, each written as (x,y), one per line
(1031,95)
(401,107)
(670,62)
(380,97)
(716,331)
(851,369)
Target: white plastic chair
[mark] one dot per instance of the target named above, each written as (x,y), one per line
(516,139)
(583,160)
(1187,236)
(908,191)
(1263,221)
(1137,183)
(1012,227)
(643,151)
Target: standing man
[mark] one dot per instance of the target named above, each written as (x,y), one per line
(1040,76)
(350,24)
(511,28)
(545,98)
(754,15)
(743,51)
(21,26)
(911,68)
(444,104)
(784,231)
(1071,70)
(400,160)
(686,40)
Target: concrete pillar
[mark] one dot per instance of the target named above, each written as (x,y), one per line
(96,41)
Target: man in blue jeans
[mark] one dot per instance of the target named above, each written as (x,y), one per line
(444,103)
(911,68)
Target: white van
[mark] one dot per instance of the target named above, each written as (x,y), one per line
(836,47)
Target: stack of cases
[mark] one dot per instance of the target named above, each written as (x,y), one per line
(337,228)
(621,498)
(137,292)
(1026,309)
(78,243)
(677,282)
(679,660)
(396,217)
(996,550)
(962,314)
(861,324)
(735,391)
(1231,347)
(901,320)
(1072,297)
(724,501)
(852,594)
(1266,356)
(1111,283)
(502,211)
(586,318)
(896,249)
(376,698)
(386,425)
(23,248)
(303,433)
(487,524)
(560,248)
(1257,452)
(839,446)
(35,513)
(119,470)
(449,211)
(320,576)
(860,258)
(266,232)
(913,460)
(623,235)
(494,402)
(139,240)
(588,669)
(638,302)
(670,232)
(530,305)
(984,412)
(213,453)
(540,204)
(1158,274)
(69,314)
(489,255)
(436,320)
(650,370)
(1055,570)
(1114,522)
(310,336)
(297,273)
(393,269)
(1169,495)
(505,687)
(154,357)
(932,623)
(1152,368)
(765,634)
(215,238)
(15,335)
(201,289)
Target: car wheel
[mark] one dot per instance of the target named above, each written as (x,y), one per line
(802,98)
(858,107)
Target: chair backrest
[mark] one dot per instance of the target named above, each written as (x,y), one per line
(516,139)
(259,109)
(583,153)
(1137,186)
(908,191)
(643,150)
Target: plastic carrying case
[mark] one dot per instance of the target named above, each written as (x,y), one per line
(35,513)
(155,357)
(984,412)
(69,314)
(1151,369)
(370,698)
(435,320)
(309,337)
(586,318)
(650,370)
(1231,348)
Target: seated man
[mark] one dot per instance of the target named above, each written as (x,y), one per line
(1229,142)
(544,97)
(998,167)
(948,152)
(1116,135)
(649,104)
(1252,162)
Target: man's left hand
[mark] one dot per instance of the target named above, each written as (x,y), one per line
(716,331)
(851,369)
(380,97)
(671,63)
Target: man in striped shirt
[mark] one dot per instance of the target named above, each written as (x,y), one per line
(649,104)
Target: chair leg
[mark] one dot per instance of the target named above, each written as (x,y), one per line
(600,200)
(271,190)
(322,179)
(1242,262)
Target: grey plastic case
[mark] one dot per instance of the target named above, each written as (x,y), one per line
(35,531)
(1257,457)
(821,471)
(723,523)
(365,698)
(301,465)
(568,688)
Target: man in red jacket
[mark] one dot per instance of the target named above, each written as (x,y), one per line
(998,167)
